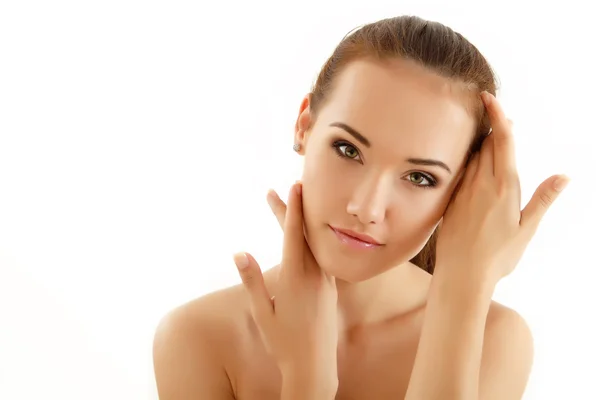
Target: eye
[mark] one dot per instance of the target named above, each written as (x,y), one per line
(422,179)
(346,150)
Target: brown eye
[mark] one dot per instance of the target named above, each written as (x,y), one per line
(421,179)
(350,152)
(346,150)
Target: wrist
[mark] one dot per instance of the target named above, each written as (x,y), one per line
(462,290)
(476,282)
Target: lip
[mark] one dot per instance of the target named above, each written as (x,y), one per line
(354,238)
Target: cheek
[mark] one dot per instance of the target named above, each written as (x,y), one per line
(414,223)
(426,211)
(322,177)
(319,161)
(313,182)
(322,189)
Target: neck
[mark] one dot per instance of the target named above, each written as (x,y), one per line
(391,294)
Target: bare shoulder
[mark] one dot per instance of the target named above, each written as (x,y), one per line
(504,324)
(507,354)
(191,345)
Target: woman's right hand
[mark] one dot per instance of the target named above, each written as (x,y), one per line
(298,321)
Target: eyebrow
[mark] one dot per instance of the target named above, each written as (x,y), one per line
(430,162)
(367,143)
(353,132)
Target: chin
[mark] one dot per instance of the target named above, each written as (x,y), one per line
(346,264)
(356,269)
(353,265)
(350,275)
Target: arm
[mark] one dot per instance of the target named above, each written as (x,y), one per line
(306,383)
(185,364)
(454,362)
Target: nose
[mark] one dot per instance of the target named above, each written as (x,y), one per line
(369,201)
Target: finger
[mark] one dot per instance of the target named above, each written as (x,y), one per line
(542,199)
(504,147)
(471,169)
(293,230)
(485,166)
(277,206)
(252,279)
(465,179)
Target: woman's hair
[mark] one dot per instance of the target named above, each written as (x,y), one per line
(432,45)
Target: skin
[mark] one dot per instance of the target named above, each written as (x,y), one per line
(398,328)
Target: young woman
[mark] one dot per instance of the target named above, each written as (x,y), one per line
(406,217)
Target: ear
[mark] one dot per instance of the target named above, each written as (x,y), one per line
(303,123)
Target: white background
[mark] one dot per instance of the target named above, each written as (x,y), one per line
(138,140)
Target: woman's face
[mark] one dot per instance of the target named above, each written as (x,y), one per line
(382,159)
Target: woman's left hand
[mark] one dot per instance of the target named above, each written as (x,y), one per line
(484,233)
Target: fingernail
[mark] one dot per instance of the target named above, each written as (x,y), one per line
(241,260)
(299,188)
(271,197)
(484,97)
(560,183)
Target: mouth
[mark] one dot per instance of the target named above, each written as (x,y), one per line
(355,240)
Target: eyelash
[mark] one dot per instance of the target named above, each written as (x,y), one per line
(339,143)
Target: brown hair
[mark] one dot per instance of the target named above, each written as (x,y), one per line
(435,47)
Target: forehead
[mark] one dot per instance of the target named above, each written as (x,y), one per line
(400,101)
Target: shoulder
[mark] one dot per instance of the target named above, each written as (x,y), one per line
(507,354)
(191,343)
(506,329)
(209,318)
